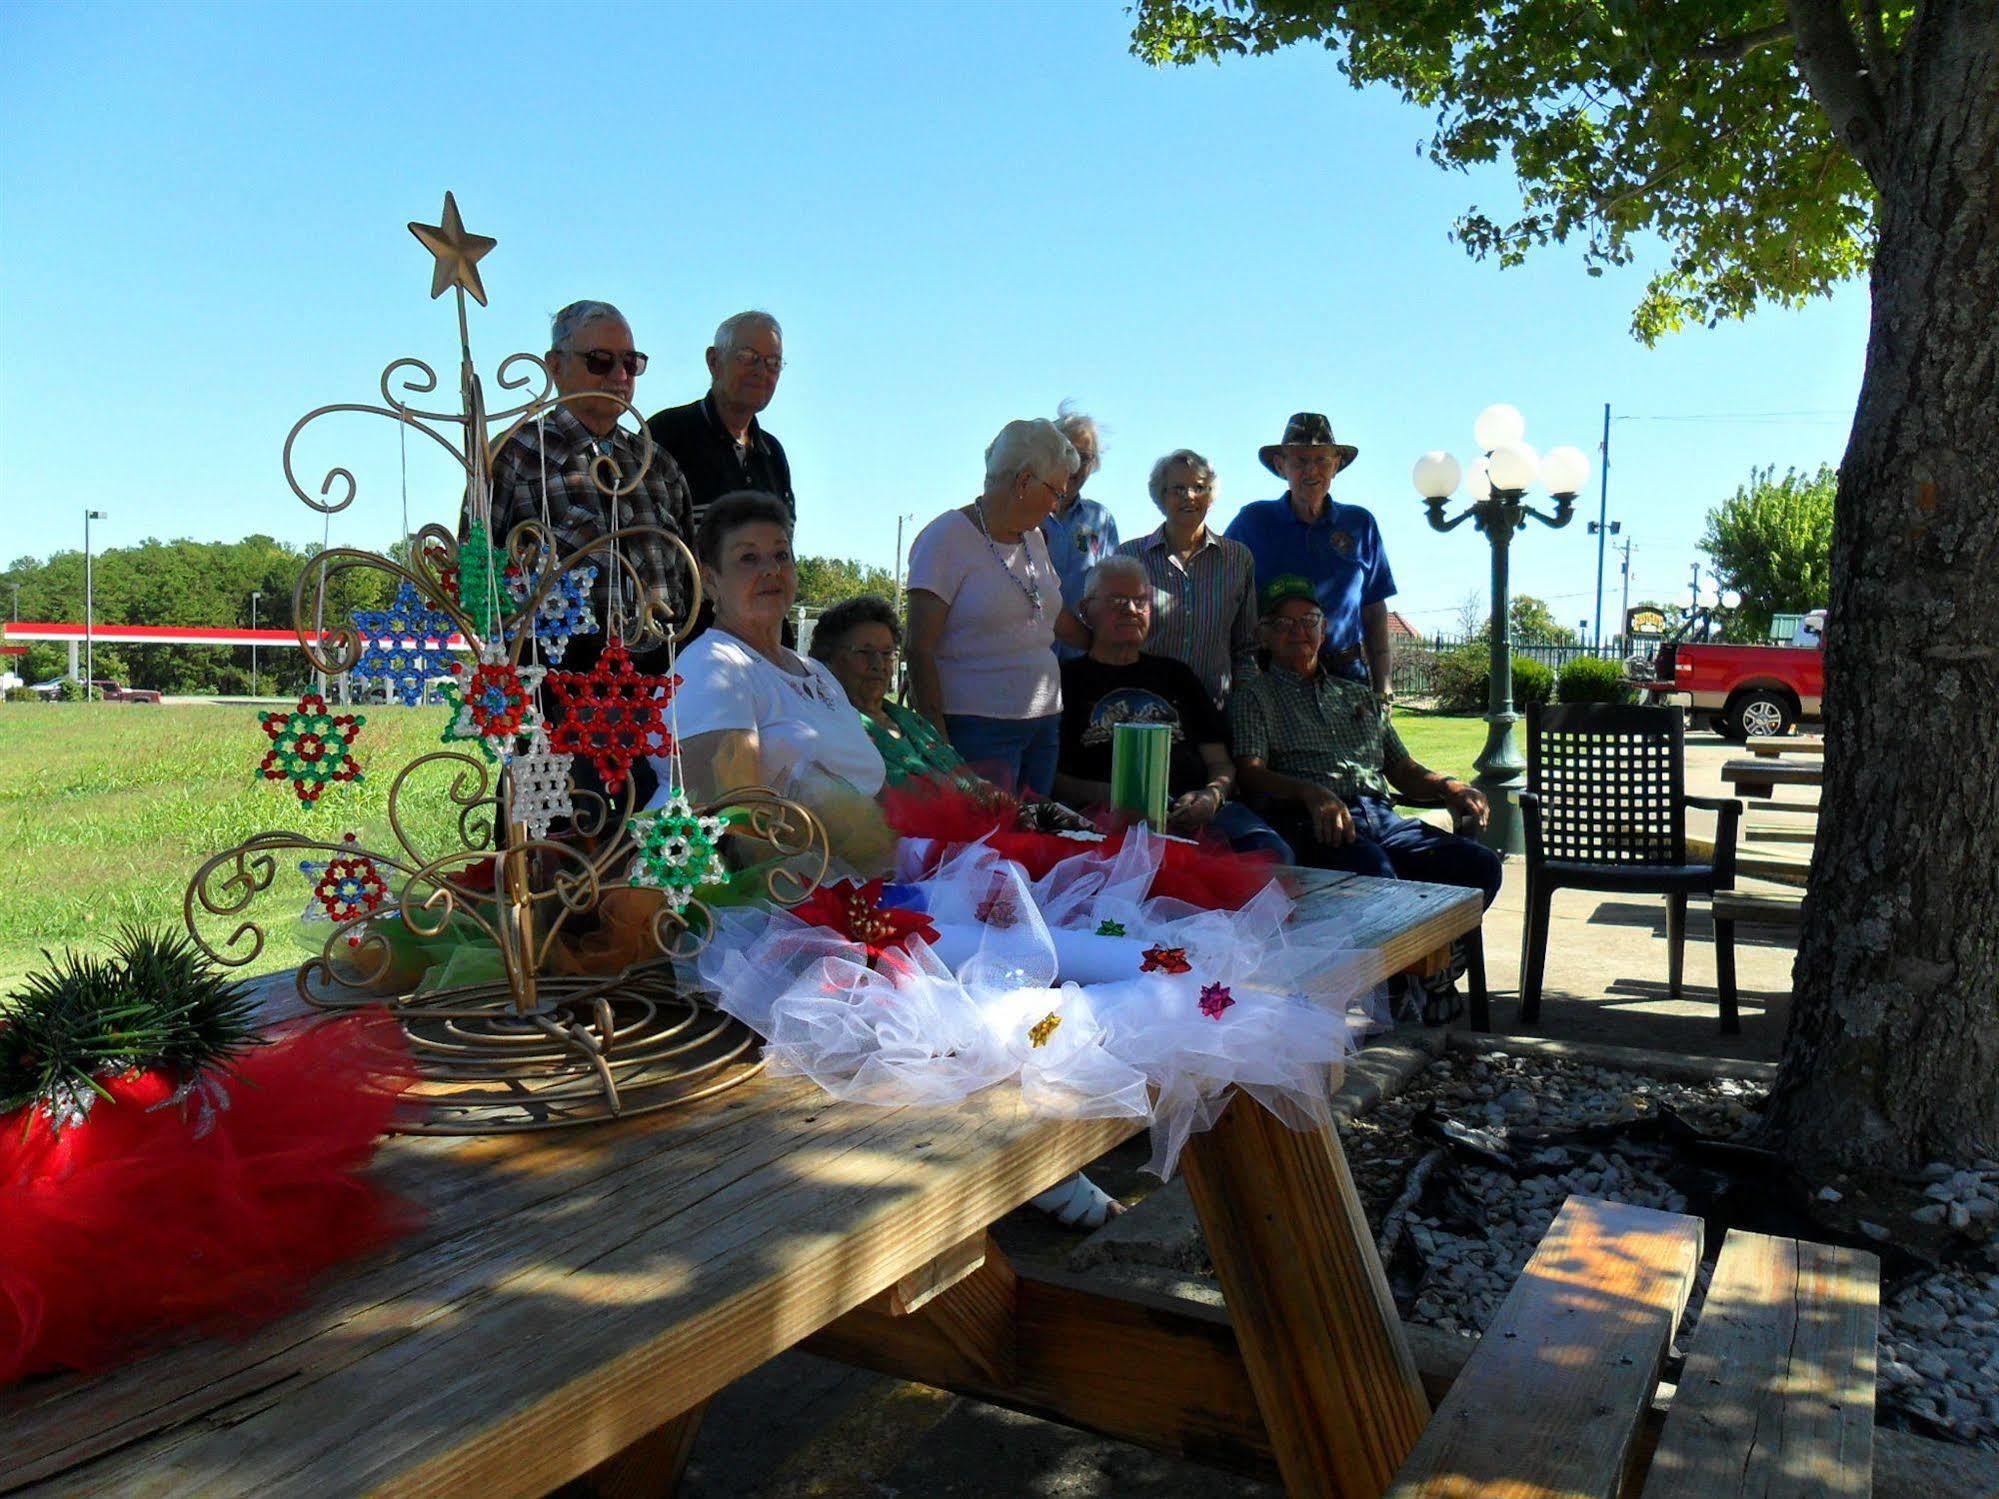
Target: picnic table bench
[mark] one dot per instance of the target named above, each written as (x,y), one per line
(1780,744)
(1759,777)
(575,1297)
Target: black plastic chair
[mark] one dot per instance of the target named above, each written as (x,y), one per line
(1606,809)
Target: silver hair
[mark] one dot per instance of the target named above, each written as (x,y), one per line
(1117,565)
(1156,484)
(729,335)
(1035,446)
(1072,423)
(577,316)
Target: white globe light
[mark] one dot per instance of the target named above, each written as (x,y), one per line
(1497,426)
(1478,483)
(1708,597)
(1514,466)
(1436,476)
(1731,599)
(1565,470)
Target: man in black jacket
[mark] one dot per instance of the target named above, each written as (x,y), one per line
(717,441)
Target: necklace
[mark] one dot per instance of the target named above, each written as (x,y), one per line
(1030,588)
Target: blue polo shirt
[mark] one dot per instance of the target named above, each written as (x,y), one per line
(1078,541)
(1339,554)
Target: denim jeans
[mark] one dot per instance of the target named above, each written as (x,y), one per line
(1388,845)
(1248,833)
(1017,753)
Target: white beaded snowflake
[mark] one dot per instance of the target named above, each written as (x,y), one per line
(538,786)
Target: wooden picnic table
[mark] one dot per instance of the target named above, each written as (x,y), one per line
(574,1298)
(1758,777)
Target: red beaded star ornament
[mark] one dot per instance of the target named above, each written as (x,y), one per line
(350,884)
(1215,998)
(612,715)
(310,747)
(495,705)
(1159,959)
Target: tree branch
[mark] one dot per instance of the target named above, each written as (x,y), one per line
(1877,43)
(1735,48)
(1837,75)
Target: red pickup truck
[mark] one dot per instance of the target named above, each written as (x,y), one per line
(1742,689)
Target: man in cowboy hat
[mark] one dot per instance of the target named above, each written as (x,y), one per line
(1336,548)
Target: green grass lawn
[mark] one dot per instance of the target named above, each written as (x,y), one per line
(107,809)
(1442,742)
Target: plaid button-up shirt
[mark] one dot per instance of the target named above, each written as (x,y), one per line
(1322,728)
(560,453)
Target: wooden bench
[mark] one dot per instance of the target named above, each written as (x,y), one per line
(1777,1398)
(1757,778)
(1758,909)
(1553,1402)
(1780,744)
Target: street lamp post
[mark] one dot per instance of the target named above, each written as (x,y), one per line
(89,607)
(255,594)
(1498,481)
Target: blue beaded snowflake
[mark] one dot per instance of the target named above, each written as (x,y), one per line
(565,612)
(404,645)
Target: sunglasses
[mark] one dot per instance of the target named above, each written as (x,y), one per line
(603,361)
(749,359)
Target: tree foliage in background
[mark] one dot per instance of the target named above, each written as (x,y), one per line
(1773,148)
(1533,623)
(1623,120)
(825,581)
(189,583)
(1772,541)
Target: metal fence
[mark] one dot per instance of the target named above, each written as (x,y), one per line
(1416,659)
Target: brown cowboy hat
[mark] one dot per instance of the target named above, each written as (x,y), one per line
(1307,429)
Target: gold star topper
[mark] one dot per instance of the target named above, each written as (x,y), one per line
(457,252)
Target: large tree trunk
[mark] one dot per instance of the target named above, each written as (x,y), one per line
(1893,1053)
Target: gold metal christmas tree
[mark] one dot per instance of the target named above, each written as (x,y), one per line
(534,858)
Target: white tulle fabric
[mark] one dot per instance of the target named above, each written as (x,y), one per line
(941,1021)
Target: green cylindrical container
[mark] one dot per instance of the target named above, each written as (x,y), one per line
(1141,754)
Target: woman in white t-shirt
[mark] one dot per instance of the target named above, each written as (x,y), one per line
(985,611)
(750,711)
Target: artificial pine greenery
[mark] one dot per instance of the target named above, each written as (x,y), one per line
(156,1001)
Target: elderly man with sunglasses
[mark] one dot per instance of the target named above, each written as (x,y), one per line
(718,441)
(549,473)
(1320,752)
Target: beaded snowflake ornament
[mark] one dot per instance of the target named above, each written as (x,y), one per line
(404,645)
(611,714)
(310,747)
(563,613)
(538,786)
(678,850)
(494,704)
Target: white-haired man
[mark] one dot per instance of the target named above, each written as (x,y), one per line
(1115,682)
(718,441)
(548,473)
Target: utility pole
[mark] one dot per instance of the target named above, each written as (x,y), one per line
(898,561)
(1624,614)
(1602,530)
(89,608)
(1694,598)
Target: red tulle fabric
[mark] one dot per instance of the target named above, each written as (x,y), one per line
(135,1222)
(1208,874)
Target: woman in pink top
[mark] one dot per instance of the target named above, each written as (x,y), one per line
(985,611)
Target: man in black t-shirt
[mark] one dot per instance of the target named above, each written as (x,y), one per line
(1117,683)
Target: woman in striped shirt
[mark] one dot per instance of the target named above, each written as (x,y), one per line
(1204,585)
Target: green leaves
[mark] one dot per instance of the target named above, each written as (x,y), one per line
(1625,122)
(1772,539)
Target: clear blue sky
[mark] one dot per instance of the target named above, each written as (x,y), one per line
(962,214)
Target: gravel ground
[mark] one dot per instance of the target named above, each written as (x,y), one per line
(1939,1344)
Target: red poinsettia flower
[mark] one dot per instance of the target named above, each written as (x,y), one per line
(1165,960)
(1215,998)
(856,912)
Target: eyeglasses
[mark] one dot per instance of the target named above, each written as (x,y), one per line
(749,359)
(872,656)
(1299,624)
(1189,491)
(1060,492)
(1130,603)
(602,361)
